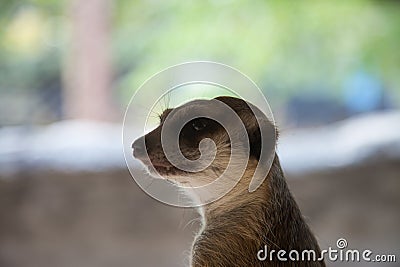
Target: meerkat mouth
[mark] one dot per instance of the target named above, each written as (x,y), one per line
(165,169)
(160,167)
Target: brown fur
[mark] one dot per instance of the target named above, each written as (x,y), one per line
(241,223)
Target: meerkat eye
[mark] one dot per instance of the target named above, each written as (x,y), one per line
(198,125)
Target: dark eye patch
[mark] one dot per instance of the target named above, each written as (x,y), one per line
(200,128)
(199,124)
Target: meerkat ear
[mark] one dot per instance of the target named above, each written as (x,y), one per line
(254,134)
(255,122)
(262,135)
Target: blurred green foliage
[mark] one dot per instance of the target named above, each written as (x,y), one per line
(284,46)
(30,44)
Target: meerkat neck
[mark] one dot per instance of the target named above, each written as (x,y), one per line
(239,197)
(241,223)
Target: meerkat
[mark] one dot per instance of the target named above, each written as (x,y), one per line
(241,223)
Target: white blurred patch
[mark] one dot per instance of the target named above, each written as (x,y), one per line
(97,146)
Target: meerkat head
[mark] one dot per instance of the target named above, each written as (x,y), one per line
(238,125)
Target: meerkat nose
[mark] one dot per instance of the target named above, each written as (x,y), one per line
(139,149)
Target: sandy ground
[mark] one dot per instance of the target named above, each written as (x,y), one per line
(104,219)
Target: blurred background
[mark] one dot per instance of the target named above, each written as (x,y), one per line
(68,68)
